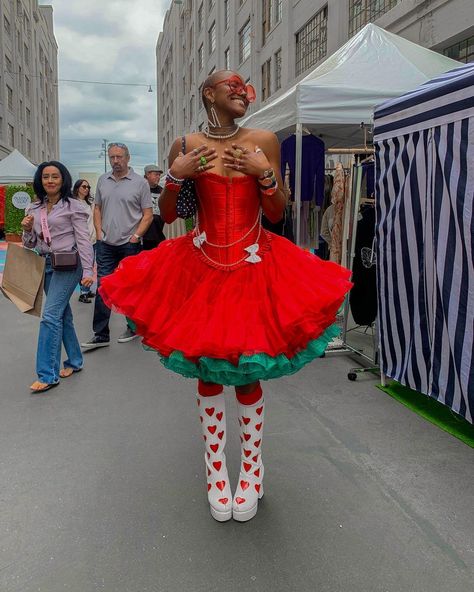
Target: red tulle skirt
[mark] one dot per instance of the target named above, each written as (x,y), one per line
(179,303)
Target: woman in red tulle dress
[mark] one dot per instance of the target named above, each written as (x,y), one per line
(239,304)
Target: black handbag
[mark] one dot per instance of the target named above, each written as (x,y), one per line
(186,204)
(64,260)
(60,260)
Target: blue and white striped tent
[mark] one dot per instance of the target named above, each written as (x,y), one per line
(424,145)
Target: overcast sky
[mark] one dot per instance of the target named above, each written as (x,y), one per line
(108,41)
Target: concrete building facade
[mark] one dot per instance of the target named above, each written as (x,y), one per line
(29,111)
(275,43)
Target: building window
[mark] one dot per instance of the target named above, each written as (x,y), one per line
(463,51)
(227,59)
(226,15)
(211,4)
(28,147)
(244,42)
(10,98)
(191,74)
(21,111)
(28,117)
(9,65)
(200,17)
(201,56)
(11,135)
(27,86)
(212,70)
(191,110)
(311,41)
(266,19)
(26,53)
(212,38)
(278,69)
(362,12)
(191,37)
(266,79)
(278,10)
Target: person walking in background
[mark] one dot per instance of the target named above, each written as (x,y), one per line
(82,192)
(239,304)
(122,214)
(57,222)
(154,235)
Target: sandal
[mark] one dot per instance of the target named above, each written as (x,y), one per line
(43,386)
(67,372)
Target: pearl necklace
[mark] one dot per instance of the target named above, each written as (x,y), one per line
(215,136)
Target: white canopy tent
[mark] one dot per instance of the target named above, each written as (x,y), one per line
(341,93)
(15,168)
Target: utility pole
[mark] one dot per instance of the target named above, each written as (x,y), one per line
(104,153)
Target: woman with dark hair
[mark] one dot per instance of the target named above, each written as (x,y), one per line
(57,223)
(82,192)
(239,304)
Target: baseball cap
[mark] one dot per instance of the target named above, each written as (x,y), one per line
(152,168)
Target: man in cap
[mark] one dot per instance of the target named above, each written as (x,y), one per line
(154,235)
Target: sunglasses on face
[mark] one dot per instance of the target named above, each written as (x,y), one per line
(236,86)
(85,186)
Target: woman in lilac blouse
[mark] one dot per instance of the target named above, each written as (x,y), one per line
(67,223)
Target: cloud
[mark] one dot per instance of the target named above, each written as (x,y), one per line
(107,41)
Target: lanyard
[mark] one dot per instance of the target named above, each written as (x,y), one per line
(45,227)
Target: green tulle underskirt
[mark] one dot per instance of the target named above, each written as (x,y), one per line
(250,368)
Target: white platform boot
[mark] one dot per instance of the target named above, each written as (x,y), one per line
(250,486)
(213,424)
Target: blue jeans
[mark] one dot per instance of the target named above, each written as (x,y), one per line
(57,325)
(108,257)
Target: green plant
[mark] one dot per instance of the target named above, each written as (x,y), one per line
(189,224)
(14,216)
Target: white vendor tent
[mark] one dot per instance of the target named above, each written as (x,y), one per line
(333,100)
(15,168)
(341,93)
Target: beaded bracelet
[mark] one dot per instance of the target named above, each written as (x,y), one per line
(170,177)
(267,182)
(172,183)
(269,191)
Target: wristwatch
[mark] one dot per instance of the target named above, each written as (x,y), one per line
(137,236)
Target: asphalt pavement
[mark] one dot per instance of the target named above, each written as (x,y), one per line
(102,483)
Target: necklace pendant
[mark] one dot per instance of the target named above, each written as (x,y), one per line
(199,240)
(252,249)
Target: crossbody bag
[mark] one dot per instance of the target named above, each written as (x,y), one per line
(60,260)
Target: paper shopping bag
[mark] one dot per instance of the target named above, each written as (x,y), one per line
(23,279)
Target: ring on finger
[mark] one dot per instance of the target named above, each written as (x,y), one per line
(196,151)
(237,153)
(258,150)
(203,160)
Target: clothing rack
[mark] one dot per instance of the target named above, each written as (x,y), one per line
(353,203)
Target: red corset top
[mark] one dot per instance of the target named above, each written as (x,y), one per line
(228,233)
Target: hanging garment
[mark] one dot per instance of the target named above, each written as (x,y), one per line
(338,199)
(312,170)
(363,297)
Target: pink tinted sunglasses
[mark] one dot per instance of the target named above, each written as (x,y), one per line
(237,87)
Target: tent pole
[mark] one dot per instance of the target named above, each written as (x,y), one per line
(298,166)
